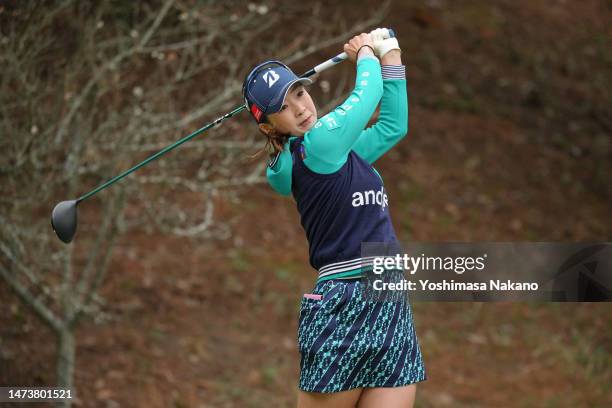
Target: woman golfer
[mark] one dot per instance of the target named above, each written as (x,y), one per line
(354,351)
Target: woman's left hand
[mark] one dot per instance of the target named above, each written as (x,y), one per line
(352,47)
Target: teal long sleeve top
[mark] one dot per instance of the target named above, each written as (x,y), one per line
(332,137)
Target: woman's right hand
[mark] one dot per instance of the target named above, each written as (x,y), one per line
(354,45)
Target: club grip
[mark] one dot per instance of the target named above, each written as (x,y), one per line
(338,58)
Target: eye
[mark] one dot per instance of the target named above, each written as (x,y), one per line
(283,108)
(300,93)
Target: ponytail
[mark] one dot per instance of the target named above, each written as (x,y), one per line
(275,142)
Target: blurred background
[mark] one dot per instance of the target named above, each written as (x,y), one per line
(183,284)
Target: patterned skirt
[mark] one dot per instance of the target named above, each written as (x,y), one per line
(347,341)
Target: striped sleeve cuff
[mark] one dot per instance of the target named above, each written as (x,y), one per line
(393,72)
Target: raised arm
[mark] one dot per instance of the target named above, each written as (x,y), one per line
(332,137)
(392,124)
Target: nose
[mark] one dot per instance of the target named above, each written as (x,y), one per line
(299,109)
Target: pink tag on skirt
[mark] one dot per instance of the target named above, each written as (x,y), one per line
(313,296)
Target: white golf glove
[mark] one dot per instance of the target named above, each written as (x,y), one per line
(379,34)
(383,45)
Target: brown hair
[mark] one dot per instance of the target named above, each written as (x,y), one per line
(273,139)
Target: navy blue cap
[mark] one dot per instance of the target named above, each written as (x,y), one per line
(266,87)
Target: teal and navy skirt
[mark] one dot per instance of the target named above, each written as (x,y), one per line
(347,341)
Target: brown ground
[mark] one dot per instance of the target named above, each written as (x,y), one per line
(510,144)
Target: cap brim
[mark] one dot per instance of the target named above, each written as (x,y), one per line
(276,106)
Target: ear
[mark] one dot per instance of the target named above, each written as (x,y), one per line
(266,128)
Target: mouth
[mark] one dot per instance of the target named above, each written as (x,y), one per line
(306,122)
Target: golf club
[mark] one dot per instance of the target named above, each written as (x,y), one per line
(64,215)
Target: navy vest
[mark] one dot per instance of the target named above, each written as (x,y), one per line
(339,211)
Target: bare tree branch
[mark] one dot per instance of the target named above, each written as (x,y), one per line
(27,298)
(109,65)
(359,27)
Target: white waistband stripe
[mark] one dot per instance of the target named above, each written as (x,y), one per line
(346,263)
(346,266)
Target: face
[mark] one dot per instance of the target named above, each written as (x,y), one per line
(297,115)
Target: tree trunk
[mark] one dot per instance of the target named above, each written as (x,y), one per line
(65,363)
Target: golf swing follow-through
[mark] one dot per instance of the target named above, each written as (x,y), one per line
(354,350)
(64,215)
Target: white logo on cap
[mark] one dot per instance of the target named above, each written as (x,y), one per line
(270,78)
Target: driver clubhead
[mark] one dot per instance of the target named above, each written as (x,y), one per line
(64,220)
